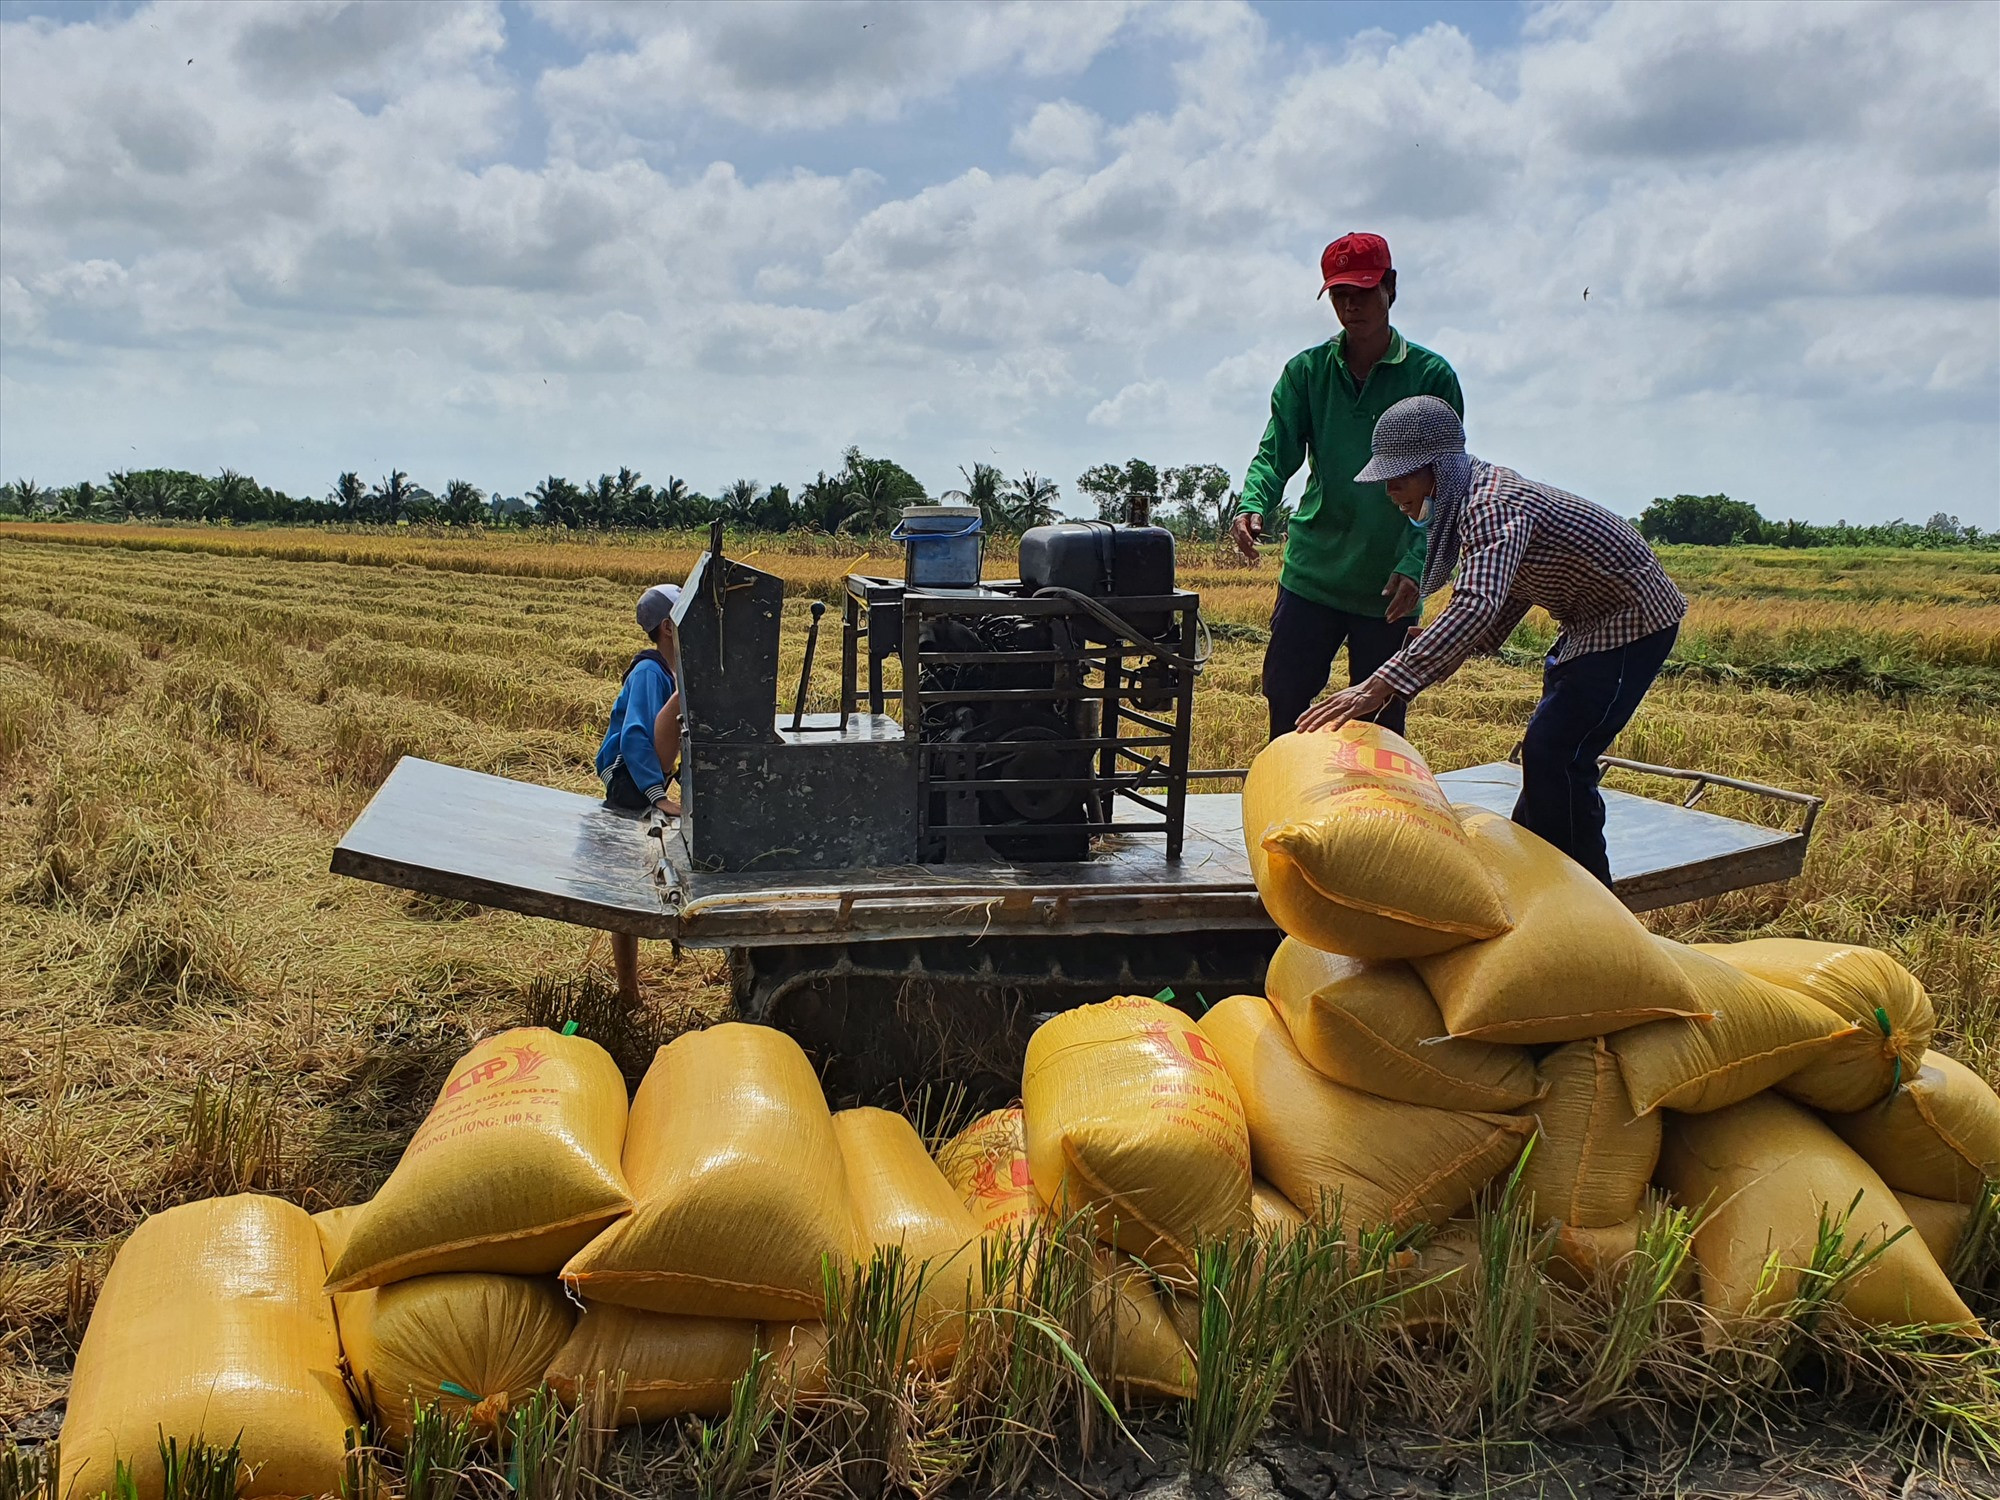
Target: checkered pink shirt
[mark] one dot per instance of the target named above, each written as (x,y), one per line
(1524,544)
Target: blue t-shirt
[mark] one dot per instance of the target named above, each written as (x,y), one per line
(628,742)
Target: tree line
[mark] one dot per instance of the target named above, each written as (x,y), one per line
(863,496)
(1718,521)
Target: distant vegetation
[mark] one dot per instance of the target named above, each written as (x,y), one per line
(1718,521)
(863,497)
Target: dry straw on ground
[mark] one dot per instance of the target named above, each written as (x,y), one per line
(188,718)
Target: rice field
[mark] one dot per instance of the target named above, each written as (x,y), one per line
(190,717)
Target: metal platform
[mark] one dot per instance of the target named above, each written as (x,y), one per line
(520,847)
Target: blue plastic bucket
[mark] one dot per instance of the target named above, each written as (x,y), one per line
(942,546)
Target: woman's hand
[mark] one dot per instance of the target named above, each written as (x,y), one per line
(1357,702)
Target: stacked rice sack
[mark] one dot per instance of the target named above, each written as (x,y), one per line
(1450,985)
(1129,1117)
(748,1196)
(692,1229)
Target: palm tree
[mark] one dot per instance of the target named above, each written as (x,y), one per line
(983,489)
(349,493)
(388,499)
(231,494)
(1031,500)
(670,502)
(823,503)
(740,499)
(558,502)
(875,490)
(873,499)
(464,504)
(29,496)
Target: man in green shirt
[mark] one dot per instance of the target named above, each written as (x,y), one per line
(1351,560)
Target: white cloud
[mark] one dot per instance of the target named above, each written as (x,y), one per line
(1138,401)
(1059,133)
(736,239)
(801,64)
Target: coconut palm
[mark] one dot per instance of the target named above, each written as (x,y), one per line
(874,491)
(983,488)
(463,503)
(1031,500)
(739,500)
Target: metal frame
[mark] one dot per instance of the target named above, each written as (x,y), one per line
(1703,780)
(1134,748)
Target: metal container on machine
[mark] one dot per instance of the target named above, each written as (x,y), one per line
(942,546)
(1102,561)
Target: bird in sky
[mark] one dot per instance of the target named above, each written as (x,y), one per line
(1586,294)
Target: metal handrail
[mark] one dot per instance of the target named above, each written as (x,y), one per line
(1703,780)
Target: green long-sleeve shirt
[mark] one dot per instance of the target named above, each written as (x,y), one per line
(1347,538)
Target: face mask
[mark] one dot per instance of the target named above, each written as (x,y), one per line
(1424,512)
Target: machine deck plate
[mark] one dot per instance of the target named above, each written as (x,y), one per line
(521,847)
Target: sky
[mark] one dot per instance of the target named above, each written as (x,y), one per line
(496,241)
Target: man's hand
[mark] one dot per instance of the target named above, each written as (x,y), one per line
(1357,702)
(1401,592)
(1247,530)
(670,805)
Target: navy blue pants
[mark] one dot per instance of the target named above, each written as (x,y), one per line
(1585,702)
(1305,637)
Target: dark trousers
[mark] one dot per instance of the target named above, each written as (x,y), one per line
(1585,702)
(1304,639)
(623,792)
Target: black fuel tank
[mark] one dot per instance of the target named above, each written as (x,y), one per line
(1098,559)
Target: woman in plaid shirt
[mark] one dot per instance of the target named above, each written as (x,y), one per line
(1518,544)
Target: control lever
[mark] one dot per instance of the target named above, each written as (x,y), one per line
(806,671)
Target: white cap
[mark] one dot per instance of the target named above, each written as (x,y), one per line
(656,604)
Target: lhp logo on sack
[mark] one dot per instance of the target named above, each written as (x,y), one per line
(514,1063)
(1365,778)
(1181,1044)
(500,1086)
(996,1179)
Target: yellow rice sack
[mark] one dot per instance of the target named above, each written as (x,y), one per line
(1133,1334)
(1577,964)
(1593,1154)
(513,1170)
(1318,1141)
(1585,1257)
(740,1186)
(1940,1225)
(902,1199)
(1938,1135)
(987,1164)
(1758,1035)
(212,1325)
(1129,1113)
(1272,1213)
(1437,1282)
(1355,850)
(470,1342)
(1372,1025)
(1765,1170)
(1862,985)
(671,1366)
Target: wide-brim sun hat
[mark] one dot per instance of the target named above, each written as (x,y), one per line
(1417,430)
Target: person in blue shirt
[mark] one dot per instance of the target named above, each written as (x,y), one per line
(642,746)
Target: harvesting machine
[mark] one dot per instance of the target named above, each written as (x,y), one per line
(998,821)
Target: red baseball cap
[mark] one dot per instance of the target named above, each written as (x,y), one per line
(1354,260)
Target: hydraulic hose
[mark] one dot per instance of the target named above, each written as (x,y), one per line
(1124,628)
